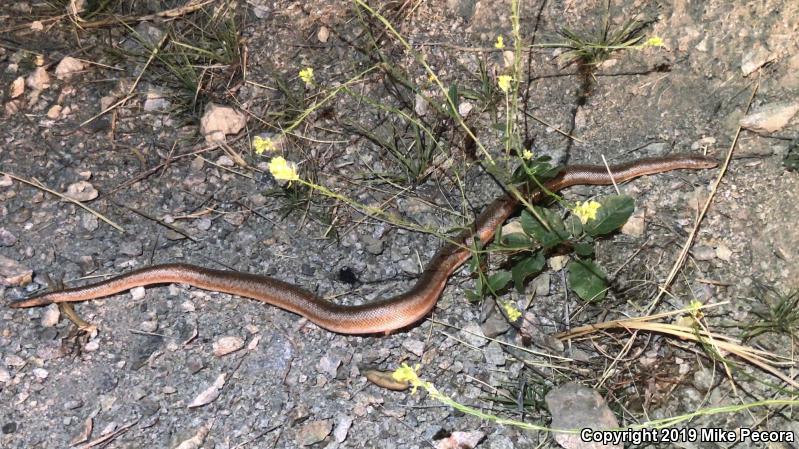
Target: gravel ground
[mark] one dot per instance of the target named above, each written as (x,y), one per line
(288,383)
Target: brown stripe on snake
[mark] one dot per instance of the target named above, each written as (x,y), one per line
(386,314)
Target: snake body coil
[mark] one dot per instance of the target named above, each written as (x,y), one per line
(383,315)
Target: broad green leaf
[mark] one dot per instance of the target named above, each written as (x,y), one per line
(473,295)
(525,268)
(548,238)
(498,281)
(573,226)
(541,168)
(615,211)
(584,249)
(587,279)
(515,241)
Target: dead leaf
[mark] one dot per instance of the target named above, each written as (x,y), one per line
(209,394)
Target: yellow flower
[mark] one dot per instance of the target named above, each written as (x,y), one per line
(695,307)
(504,82)
(511,311)
(407,374)
(306,75)
(262,145)
(283,170)
(500,43)
(527,155)
(432,78)
(654,41)
(586,211)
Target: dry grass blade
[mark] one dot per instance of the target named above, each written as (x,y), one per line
(41,186)
(720,343)
(109,436)
(188,8)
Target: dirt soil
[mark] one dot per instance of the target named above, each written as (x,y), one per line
(178,198)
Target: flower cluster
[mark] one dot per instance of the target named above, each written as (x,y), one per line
(503,81)
(306,75)
(586,211)
(654,41)
(511,311)
(283,170)
(263,145)
(408,375)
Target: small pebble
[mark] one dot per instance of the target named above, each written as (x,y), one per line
(703,252)
(225,161)
(14,360)
(40,373)
(313,432)
(323,34)
(187,306)
(329,365)
(723,252)
(148,326)
(494,354)
(50,316)
(73,404)
(473,335)
(203,223)
(226,345)
(343,425)
(81,191)
(307,270)
(7,238)
(89,222)
(770,117)
(131,248)
(542,284)
(416,347)
(557,263)
(137,293)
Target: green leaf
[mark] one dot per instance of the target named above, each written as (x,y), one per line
(515,241)
(584,249)
(498,281)
(473,295)
(573,226)
(540,168)
(587,279)
(548,238)
(453,96)
(615,211)
(478,291)
(525,268)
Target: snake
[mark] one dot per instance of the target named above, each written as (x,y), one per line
(384,315)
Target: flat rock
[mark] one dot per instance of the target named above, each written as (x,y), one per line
(314,432)
(574,406)
(770,117)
